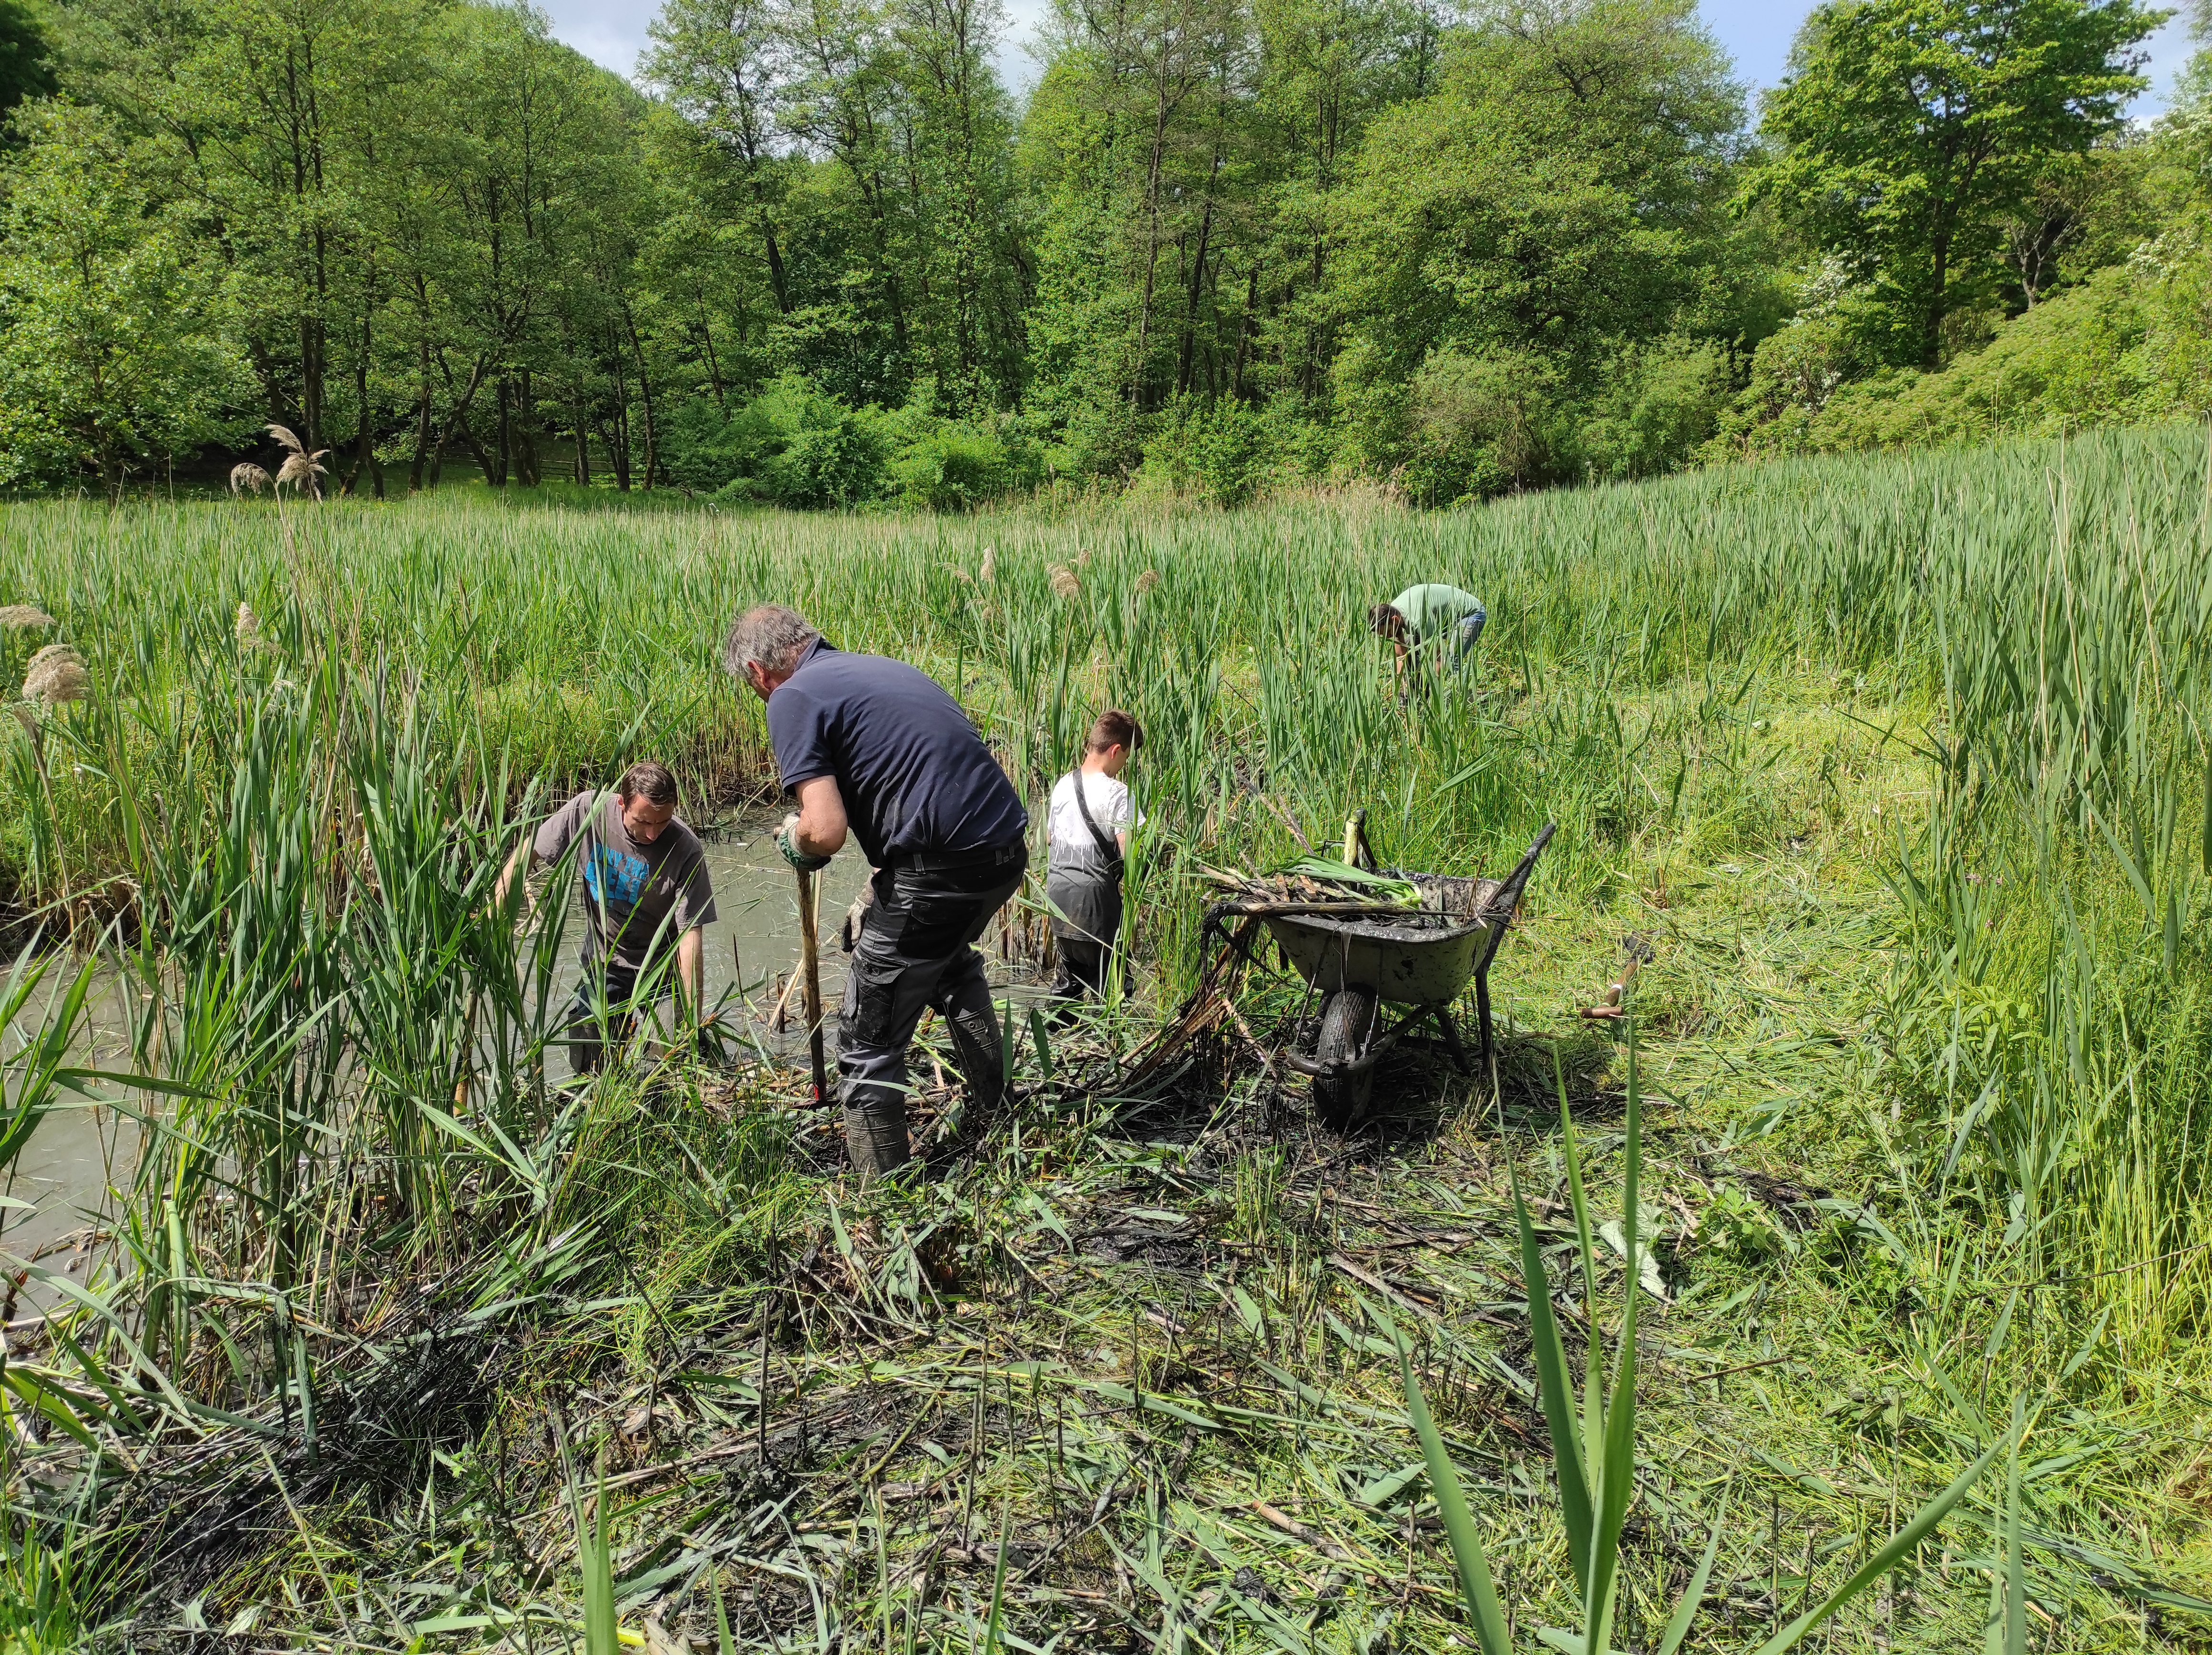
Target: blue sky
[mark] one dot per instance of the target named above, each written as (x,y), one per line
(1757,34)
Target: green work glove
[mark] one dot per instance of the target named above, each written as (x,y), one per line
(787,840)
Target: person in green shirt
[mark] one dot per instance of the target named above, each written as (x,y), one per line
(1419,619)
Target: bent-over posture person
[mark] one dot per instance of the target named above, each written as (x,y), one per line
(1087,829)
(646,893)
(1420,619)
(875,748)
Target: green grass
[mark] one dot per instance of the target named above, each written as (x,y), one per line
(1899,764)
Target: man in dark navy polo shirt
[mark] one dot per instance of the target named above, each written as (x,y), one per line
(875,748)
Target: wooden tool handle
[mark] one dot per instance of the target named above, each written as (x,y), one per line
(810,963)
(1610,1006)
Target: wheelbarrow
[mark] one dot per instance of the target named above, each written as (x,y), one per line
(1420,959)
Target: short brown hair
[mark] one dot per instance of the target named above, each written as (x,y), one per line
(1114,729)
(650,780)
(1385,619)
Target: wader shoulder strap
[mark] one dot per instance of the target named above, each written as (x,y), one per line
(1108,847)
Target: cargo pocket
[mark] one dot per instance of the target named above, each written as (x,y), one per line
(870,1016)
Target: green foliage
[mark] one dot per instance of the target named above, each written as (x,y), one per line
(2129,345)
(1909,131)
(40,1610)
(1660,401)
(1230,453)
(1593,1439)
(954,465)
(113,357)
(795,445)
(24,69)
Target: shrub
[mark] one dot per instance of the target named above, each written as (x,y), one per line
(1661,402)
(793,444)
(1481,424)
(952,468)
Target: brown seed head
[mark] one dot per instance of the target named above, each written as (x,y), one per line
(26,617)
(301,471)
(1147,581)
(284,436)
(990,563)
(57,674)
(246,477)
(1065,582)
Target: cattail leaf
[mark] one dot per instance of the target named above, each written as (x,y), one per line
(1474,1582)
(1693,1594)
(1554,1390)
(1899,1545)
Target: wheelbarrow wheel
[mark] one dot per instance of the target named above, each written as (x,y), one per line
(1347,1019)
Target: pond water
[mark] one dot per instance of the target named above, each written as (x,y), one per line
(752,954)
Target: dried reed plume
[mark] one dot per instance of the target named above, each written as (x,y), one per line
(247,629)
(990,563)
(301,468)
(57,674)
(27,617)
(1083,557)
(1065,582)
(1147,581)
(246,477)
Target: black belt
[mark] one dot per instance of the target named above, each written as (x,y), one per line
(943,861)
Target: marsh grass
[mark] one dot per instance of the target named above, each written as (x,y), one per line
(1897,764)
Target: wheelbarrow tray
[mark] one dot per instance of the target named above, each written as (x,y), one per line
(1424,959)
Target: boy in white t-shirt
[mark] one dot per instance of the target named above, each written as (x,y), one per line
(1087,829)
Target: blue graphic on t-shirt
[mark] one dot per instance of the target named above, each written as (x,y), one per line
(612,876)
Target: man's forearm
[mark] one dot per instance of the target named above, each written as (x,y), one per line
(506,874)
(689,951)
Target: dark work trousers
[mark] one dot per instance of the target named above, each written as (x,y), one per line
(1086,903)
(916,951)
(588,1037)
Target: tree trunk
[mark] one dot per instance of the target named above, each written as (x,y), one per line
(364,457)
(1197,290)
(583,449)
(525,434)
(1931,346)
(421,425)
(615,435)
(311,382)
(644,396)
(714,362)
(485,463)
(505,437)
(776,278)
(457,422)
(1244,327)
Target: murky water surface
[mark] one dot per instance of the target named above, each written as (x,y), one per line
(752,955)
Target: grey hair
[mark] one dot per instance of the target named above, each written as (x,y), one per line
(769,636)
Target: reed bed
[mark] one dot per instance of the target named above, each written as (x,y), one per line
(1900,766)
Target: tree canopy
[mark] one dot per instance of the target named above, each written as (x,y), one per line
(1910,132)
(817,253)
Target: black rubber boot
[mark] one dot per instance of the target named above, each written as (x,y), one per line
(979,1053)
(875,1131)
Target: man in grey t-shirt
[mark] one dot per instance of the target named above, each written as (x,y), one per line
(646,894)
